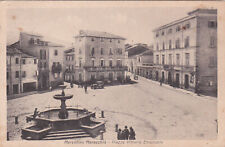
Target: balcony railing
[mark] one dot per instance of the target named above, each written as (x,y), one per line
(105,68)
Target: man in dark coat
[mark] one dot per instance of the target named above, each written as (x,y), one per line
(126,133)
(132,134)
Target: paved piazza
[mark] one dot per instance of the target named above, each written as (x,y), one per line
(154,111)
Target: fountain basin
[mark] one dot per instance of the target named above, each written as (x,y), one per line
(94,128)
(62,97)
(35,132)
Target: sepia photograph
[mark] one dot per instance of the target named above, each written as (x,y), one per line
(111,73)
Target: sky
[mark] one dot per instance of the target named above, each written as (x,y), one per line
(61,24)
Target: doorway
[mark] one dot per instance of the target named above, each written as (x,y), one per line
(163,76)
(15,89)
(169,78)
(186,84)
(177,80)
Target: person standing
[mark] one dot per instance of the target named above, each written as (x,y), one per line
(132,134)
(119,134)
(71,84)
(126,133)
(85,88)
(160,82)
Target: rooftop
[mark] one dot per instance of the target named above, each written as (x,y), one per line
(88,33)
(191,15)
(31,34)
(11,49)
(136,49)
(70,50)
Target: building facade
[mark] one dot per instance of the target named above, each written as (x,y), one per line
(21,72)
(69,62)
(185,51)
(99,56)
(132,52)
(50,59)
(145,63)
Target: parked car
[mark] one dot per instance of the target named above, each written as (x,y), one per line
(135,77)
(98,85)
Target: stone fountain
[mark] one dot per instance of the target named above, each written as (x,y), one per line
(73,122)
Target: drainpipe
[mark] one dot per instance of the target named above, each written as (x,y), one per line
(20,75)
(10,72)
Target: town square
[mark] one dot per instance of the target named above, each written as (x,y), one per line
(111,80)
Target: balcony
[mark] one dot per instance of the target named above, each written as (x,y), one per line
(105,68)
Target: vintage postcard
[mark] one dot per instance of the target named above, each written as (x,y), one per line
(112,73)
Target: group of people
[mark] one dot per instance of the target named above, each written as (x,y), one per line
(126,134)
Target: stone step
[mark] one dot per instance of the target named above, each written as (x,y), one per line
(65,131)
(66,134)
(66,137)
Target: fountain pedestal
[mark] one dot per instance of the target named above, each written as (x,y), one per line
(63,113)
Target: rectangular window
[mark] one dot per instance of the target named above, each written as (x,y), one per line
(118,63)
(40,64)
(101,51)
(178,29)
(56,52)
(17,74)
(212,41)
(93,63)
(170,44)
(17,60)
(102,63)
(157,59)
(45,65)
(169,31)
(212,61)
(186,42)
(72,57)
(110,51)
(24,61)
(212,24)
(92,51)
(163,59)
(170,59)
(187,58)
(110,63)
(178,43)
(44,57)
(24,74)
(35,61)
(188,25)
(163,46)
(157,47)
(80,63)
(178,59)
(7,75)
(41,54)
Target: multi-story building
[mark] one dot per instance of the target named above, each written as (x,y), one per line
(145,63)
(49,55)
(99,56)
(69,63)
(21,71)
(131,56)
(185,51)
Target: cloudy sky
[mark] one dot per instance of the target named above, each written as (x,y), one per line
(61,24)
